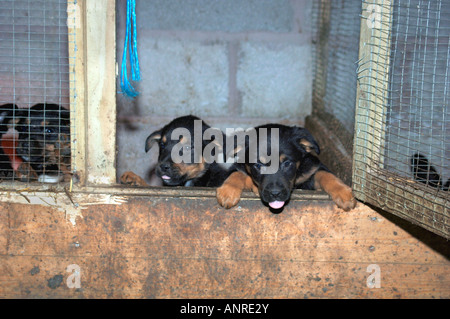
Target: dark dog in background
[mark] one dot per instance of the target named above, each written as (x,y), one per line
(425,173)
(298,168)
(196,171)
(44,143)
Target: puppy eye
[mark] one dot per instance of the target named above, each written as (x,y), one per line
(287,164)
(162,145)
(49,130)
(257,166)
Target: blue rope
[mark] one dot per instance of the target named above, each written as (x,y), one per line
(130,40)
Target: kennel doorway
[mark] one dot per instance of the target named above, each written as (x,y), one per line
(398,114)
(235,64)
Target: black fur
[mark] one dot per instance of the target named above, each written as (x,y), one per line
(295,146)
(425,173)
(41,126)
(192,173)
(274,176)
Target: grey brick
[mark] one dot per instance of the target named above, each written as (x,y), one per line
(181,77)
(216,15)
(274,80)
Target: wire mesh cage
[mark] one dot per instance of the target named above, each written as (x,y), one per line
(402,149)
(335,35)
(35,90)
(335,30)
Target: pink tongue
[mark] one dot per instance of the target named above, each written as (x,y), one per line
(165,177)
(276,204)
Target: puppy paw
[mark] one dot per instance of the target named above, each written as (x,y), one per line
(228,195)
(343,197)
(26,173)
(340,193)
(255,190)
(130,178)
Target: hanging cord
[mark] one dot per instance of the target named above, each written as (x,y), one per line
(130,40)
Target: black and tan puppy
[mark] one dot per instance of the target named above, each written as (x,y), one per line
(44,142)
(190,154)
(277,160)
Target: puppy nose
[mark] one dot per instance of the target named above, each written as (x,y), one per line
(276,192)
(164,167)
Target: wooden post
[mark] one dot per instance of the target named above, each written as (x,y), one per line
(92,50)
(100,107)
(372,91)
(76,23)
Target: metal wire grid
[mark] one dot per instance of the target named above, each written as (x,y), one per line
(319,34)
(418,119)
(336,26)
(34,68)
(402,116)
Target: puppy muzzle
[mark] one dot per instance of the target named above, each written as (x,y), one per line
(275,194)
(168,175)
(30,150)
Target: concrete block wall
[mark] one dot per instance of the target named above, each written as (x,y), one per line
(234,63)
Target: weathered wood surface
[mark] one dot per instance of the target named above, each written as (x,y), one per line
(333,153)
(156,247)
(100,46)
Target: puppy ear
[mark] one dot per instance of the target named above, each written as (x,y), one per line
(213,144)
(7,111)
(307,141)
(240,144)
(213,135)
(231,153)
(152,139)
(309,145)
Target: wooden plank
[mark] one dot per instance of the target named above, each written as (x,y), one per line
(333,153)
(409,201)
(100,48)
(191,248)
(78,99)
(372,91)
(321,52)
